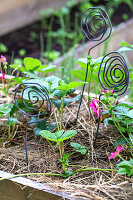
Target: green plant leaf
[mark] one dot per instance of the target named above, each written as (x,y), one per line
(131,136)
(125,49)
(57,103)
(19,67)
(5,109)
(79,148)
(65,158)
(124,163)
(122,141)
(50,136)
(40,81)
(12,121)
(80,74)
(122,129)
(3,48)
(125,170)
(130,114)
(70,85)
(67,174)
(57,93)
(109,121)
(31,63)
(104,112)
(122,108)
(58,136)
(126,44)
(47,68)
(32,75)
(70,100)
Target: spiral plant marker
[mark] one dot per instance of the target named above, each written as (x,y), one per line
(113,75)
(97,28)
(34,98)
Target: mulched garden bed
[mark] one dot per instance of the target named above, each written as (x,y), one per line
(96,185)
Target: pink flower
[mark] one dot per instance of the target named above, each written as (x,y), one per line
(3,76)
(109,91)
(114,154)
(95,106)
(3,59)
(119,149)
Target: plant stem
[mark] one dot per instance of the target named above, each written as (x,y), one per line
(98,169)
(51,145)
(62,106)
(121,131)
(55,116)
(61,155)
(121,157)
(9,128)
(89,84)
(29,174)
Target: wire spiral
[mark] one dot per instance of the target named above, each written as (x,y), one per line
(96,25)
(113,73)
(36,96)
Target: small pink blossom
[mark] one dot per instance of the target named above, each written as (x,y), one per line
(95,106)
(3,76)
(114,154)
(3,59)
(119,149)
(109,91)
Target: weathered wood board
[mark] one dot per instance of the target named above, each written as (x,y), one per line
(121,33)
(24,189)
(18,13)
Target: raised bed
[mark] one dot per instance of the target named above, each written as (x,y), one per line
(16,13)
(21,189)
(121,33)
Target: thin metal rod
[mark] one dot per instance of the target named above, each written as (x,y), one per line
(27,162)
(36,93)
(113,62)
(94,33)
(82,93)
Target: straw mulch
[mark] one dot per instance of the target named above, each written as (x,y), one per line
(93,185)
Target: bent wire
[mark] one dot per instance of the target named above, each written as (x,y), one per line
(113,75)
(97,28)
(36,95)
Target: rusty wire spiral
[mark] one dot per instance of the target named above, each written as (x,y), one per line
(35,99)
(97,28)
(113,73)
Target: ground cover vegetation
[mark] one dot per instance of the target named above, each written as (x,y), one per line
(113,113)
(65,147)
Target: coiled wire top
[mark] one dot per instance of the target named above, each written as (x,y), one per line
(113,73)
(35,99)
(96,25)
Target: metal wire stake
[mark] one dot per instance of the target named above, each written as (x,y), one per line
(97,27)
(32,95)
(113,75)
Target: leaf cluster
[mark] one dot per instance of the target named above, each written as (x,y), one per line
(125,167)
(122,116)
